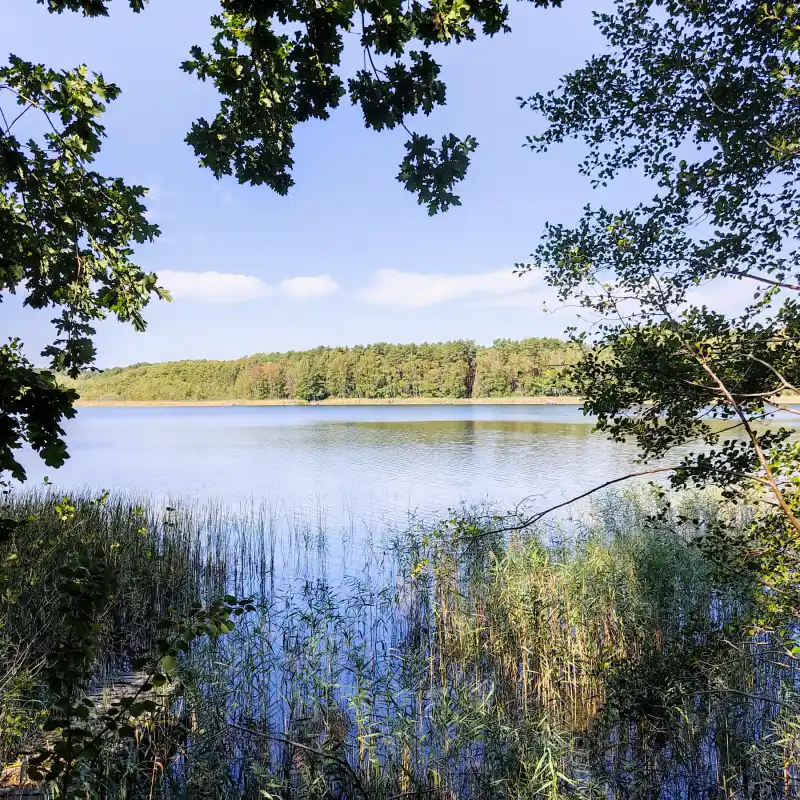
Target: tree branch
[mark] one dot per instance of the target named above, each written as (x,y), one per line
(795,287)
(526,523)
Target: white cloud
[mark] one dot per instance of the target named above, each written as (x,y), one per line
(535,299)
(724,295)
(231,287)
(213,287)
(392,287)
(311,286)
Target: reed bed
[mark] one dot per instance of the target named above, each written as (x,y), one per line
(605,657)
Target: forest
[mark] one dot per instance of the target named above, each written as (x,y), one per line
(460,369)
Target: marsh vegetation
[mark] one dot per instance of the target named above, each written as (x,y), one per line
(605,656)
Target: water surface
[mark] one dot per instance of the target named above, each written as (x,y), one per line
(365,462)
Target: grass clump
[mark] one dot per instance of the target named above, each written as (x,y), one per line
(608,657)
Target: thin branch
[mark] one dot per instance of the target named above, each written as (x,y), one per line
(751,434)
(10,125)
(749,696)
(785,383)
(526,523)
(782,407)
(795,287)
(368,54)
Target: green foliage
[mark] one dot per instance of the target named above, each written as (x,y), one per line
(586,660)
(702,99)
(32,405)
(309,381)
(83,262)
(66,238)
(449,369)
(431,174)
(276,65)
(89,8)
(82,729)
(105,587)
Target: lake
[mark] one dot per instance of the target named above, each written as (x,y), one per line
(370,463)
(434,651)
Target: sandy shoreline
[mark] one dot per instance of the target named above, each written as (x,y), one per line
(540,400)
(336,401)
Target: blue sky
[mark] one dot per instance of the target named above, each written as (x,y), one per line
(348,256)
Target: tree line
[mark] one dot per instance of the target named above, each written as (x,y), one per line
(459,369)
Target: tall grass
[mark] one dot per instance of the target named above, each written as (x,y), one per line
(605,658)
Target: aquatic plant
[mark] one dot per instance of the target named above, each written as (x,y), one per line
(608,656)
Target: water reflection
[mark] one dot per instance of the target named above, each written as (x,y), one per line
(361,460)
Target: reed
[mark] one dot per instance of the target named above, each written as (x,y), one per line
(605,657)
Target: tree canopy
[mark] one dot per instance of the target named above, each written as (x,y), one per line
(702,99)
(66,241)
(277,64)
(446,369)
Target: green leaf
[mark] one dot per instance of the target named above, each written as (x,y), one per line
(169,662)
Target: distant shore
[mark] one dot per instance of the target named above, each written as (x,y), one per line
(343,401)
(538,400)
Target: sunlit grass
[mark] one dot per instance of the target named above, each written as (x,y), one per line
(600,658)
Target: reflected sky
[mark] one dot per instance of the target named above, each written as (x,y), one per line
(374,461)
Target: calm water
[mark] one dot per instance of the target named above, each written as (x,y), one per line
(375,459)
(367,462)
